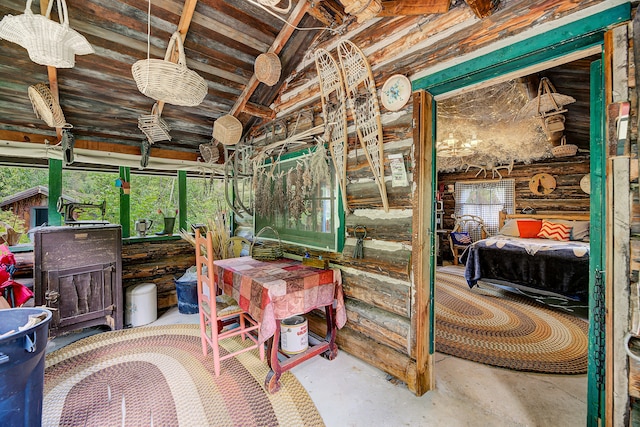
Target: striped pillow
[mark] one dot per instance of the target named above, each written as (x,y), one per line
(554,231)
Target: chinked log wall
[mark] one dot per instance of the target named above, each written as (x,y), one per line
(378,289)
(159,262)
(567,196)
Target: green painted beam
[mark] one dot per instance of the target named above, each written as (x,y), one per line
(125,204)
(579,35)
(55,191)
(182,200)
(595,377)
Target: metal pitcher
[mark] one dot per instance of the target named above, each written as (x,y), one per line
(143,226)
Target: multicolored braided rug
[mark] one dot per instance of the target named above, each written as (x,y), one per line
(495,327)
(159,376)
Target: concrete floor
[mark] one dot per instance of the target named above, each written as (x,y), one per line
(349,392)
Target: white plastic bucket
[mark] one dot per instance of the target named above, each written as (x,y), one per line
(294,335)
(141,305)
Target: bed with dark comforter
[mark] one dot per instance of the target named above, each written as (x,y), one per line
(550,266)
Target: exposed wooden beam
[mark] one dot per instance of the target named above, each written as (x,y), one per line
(52,72)
(258,110)
(283,36)
(483,8)
(183,27)
(425,7)
(6,135)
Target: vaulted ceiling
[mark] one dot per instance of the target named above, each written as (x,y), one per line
(222,39)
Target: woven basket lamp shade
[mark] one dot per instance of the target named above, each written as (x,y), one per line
(267,68)
(227,129)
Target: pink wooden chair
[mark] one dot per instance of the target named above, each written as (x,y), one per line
(216,310)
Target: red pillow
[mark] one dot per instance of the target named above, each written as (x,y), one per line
(529,229)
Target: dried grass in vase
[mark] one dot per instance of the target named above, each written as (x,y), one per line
(220,236)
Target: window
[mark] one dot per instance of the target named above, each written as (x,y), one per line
(205,199)
(299,204)
(485,199)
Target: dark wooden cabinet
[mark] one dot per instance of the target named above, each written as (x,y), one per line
(78,274)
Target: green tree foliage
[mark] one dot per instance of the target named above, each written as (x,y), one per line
(14,180)
(149,194)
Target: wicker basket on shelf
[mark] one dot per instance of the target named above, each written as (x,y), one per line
(168,81)
(266,251)
(267,68)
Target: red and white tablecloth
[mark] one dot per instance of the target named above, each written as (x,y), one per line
(273,290)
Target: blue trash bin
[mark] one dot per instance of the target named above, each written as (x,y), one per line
(187,290)
(22,367)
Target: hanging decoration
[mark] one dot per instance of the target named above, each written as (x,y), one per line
(359,232)
(167,81)
(267,68)
(153,126)
(209,152)
(48,42)
(46,107)
(334,109)
(68,141)
(227,129)
(548,106)
(363,99)
(396,92)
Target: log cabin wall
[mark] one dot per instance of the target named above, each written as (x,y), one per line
(567,196)
(159,262)
(379,290)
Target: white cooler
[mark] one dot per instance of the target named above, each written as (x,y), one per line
(141,304)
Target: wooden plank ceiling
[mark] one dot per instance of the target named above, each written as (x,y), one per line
(222,39)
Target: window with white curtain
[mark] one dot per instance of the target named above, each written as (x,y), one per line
(485,199)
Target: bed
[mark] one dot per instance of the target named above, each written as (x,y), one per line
(553,260)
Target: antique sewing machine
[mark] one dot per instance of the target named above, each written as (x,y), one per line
(71,212)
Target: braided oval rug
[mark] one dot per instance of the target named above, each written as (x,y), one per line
(158,376)
(492,326)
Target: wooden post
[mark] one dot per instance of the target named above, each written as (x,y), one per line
(617,289)
(423,242)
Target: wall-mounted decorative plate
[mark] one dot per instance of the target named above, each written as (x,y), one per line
(396,91)
(585,184)
(542,183)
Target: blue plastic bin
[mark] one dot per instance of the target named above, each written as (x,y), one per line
(187,290)
(22,367)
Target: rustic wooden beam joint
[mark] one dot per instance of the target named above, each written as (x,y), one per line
(483,8)
(258,110)
(403,8)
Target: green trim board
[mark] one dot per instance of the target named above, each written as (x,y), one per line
(55,191)
(579,35)
(596,400)
(182,200)
(432,221)
(125,203)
